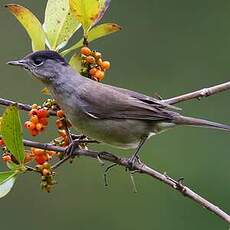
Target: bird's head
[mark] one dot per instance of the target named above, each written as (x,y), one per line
(45,65)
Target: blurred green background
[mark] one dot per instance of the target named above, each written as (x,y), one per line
(168,47)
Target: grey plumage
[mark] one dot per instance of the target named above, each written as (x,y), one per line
(113,115)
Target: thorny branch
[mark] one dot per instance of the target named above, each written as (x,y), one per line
(138,166)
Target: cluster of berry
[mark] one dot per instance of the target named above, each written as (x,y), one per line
(47,176)
(38,120)
(93,65)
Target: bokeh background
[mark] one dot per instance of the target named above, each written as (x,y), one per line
(165,47)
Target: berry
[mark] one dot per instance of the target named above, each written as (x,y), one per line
(85,51)
(60,113)
(33,112)
(39,127)
(46,172)
(6,158)
(43,113)
(2,142)
(41,159)
(43,121)
(99,61)
(30,125)
(59,124)
(90,59)
(34,106)
(93,71)
(33,132)
(97,55)
(105,65)
(34,119)
(99,75)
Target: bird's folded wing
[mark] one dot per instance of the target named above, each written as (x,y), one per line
(104,102)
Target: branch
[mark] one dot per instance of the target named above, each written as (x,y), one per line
(199,93)
(142,169)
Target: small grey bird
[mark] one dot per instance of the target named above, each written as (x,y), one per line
(112,115)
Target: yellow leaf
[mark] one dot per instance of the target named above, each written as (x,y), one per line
(97,32)
(30,23)
(86,12)
(59,23)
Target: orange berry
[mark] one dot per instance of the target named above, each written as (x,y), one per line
(90,59)
(28,157)
(33,112)
(2,143)
(43,113)
(34,119)
(6,158)
(97,55)
(105,65)
(43,121)
(37,151)
(30,125)
(99,75)
(46,172)
(99,61)
(85,51)
(34,106)
(33,132)
(60,113)
(39,127)
(93,71)
(59,124)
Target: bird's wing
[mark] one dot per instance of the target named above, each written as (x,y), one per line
(105,102)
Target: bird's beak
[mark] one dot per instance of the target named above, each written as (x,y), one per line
(17,63)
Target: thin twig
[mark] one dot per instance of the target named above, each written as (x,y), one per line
(205,92)
(142,169)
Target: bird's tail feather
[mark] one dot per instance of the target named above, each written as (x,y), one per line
(181,120)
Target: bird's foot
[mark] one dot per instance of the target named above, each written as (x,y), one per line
(70,150)
(132,161)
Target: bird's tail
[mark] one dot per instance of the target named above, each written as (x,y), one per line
(181,120)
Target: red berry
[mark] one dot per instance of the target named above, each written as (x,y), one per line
(43,113)
(33,132)
(41,159)
(43,121)
(2,143)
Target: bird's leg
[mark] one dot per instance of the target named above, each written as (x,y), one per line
(135,157)
(73,144)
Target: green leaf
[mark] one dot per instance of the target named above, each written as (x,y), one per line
(7,180)
(75,62)
(59,23)
(12,133)
(97,32)
(31,24)
(86,12)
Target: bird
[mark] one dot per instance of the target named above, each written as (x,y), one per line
(116,116)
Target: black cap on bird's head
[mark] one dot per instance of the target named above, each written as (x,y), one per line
(45,64)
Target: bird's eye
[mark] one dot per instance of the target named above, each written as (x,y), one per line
(38,61)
